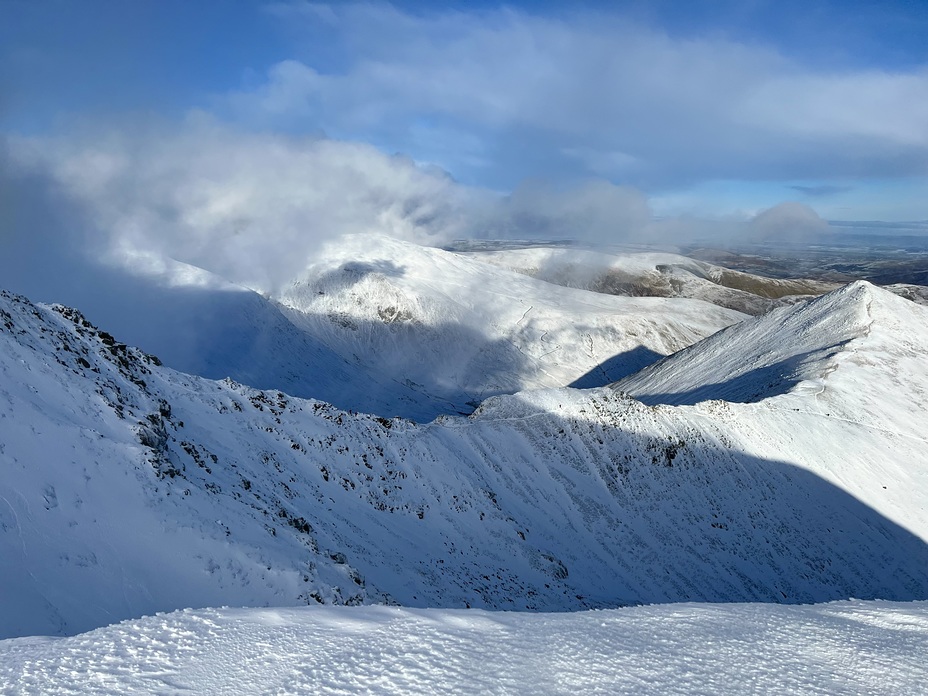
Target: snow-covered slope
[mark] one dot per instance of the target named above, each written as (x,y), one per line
(390,327)
(654,274)
(840,648)
(840,379)
(455,331)
(917,293)
(198,323)
(858,352)
(127,488)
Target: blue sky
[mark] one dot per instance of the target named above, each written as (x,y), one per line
(708,108)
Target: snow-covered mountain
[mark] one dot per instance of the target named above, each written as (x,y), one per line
(128,488)
(393,328)
(653,274)
(451,331)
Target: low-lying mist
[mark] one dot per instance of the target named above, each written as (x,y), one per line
(256,208)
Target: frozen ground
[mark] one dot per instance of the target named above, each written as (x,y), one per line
(840,648)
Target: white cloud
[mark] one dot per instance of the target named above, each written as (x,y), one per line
(874,105)
(606,163)
(255,208)
(787,221)
(596,211)
(675,110)
(251,207)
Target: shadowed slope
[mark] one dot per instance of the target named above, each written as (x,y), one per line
(128,488)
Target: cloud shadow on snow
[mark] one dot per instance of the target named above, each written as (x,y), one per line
(445,366)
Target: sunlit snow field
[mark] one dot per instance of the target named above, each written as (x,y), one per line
(839,648)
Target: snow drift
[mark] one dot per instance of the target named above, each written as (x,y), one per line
(839,648)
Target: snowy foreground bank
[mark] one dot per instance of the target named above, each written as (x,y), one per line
(841,647)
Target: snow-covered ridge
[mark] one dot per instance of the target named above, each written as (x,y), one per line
(775,352)
(128,488)
(655,274)
(858,353)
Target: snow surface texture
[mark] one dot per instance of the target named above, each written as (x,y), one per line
(840,648)
(127,488)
